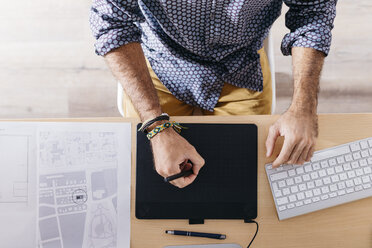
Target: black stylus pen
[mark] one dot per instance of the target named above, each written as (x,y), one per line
(174,177)
(197,234)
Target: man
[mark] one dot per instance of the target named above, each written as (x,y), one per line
(208,54)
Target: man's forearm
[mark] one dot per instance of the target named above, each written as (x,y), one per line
(128,65)
(307,66)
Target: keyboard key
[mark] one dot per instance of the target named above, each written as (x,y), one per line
(298,180)
(330,171)
(333,187)
(278,193)
(341,185)
(369,160)
(291,205)
(322,173)
(324,197)
(349,190)
(335,178)
(367,170)
(363,162)
(300,170)
(301,196)
(275,186)
(346,166)
(316,199)
(364,153)
(351,174)
(286,191)
(348,158)
(292,198)
(314,175)
(324,164)
(349,183)
(370,142)
(341,192)
(316,166)
(299,204)
(343,176)
(316,192)
(278,176)
(359,172)
(307,201)
(357,181)
(354,147)
(281,184)
(325,189)
(340,159)
(364,144)
(308,168)
(332,194)
(280,168)
(338,169)
(290,181)
(327,180)
(356,155)
(332,162)
(294,189)
(310,185)
(367,186)
(366,179)
(306,177)
(292,173)
(318,183)
(282,200)
(302,187)
(281,208)
(354,164)
(358,188)
(308,194)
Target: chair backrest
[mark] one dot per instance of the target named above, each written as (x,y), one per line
(269,49)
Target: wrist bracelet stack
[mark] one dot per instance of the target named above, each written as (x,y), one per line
(176,126)
(147,123)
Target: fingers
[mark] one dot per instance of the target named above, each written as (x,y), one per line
(296,153)
(303,158)
(271,139)
(285,153)
(197,160)
(310,153)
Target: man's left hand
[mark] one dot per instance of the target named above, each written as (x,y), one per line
(300,131)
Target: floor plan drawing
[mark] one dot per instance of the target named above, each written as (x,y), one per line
(14,165)
(78,187)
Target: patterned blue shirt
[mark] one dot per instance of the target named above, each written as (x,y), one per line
(195,46)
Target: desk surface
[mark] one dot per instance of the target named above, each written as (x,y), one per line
(348,225)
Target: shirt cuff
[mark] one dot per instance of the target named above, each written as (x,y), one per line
(115,38)
(318,38)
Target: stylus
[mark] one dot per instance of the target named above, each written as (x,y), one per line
(197,234)
(181,174)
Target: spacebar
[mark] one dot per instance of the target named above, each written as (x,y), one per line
(334,152)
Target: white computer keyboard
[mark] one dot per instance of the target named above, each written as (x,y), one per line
(334,176)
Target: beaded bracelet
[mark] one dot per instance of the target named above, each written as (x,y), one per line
(147,123)
(175,125)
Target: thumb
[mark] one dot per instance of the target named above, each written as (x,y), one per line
(271,139)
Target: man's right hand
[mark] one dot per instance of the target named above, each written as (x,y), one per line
(170,151)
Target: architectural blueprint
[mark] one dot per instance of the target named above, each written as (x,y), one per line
(78,185)
(17,184)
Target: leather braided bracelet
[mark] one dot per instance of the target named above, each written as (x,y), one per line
(176,126)
(147,123)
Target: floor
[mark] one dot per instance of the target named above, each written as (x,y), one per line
(48,67)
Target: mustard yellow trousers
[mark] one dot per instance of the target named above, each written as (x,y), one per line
(233,100)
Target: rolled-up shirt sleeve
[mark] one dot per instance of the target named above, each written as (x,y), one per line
(114,24)
(310,23)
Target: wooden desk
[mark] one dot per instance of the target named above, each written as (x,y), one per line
(348,225)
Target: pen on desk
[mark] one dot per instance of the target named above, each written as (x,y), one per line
(174,177)
(196,234)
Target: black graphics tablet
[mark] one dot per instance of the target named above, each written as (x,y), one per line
(226,187)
